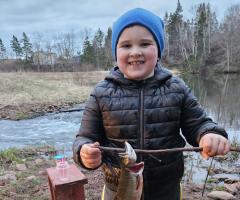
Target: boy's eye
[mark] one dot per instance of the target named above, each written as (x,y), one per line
(126,46)
(145,44)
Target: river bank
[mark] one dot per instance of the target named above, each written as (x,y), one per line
(23,176)
(28,95)
(32,94)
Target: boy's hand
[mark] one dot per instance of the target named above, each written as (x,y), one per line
(213,145)
(91,155)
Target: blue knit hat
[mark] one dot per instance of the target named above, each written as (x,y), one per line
(139,16)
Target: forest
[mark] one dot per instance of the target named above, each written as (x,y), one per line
(197,45)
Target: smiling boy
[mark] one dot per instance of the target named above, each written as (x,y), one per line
(143,103)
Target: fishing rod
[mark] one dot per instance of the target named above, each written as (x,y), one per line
(159,151)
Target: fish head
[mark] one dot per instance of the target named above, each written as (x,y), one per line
(136,169)
(128,157)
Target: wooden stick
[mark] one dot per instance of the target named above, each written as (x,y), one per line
(143,151)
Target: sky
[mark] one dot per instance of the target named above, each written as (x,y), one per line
(52,17)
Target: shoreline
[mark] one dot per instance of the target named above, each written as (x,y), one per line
(30,111)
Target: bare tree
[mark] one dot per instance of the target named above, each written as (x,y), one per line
(37,48)
(230,34)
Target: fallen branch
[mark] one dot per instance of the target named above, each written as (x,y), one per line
(159,151)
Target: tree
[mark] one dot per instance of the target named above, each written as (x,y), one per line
(166,42)
(3,51)
(16,47)
(205,34)
(174,31)
(64,44)
(26,48)
(88,53)
(200,32)
(37,46)
(98,48)
(230,29)
(107,49)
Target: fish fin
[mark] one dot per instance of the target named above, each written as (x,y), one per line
(128,157)
(139,182)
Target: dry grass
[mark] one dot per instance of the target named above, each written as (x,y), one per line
(50,88)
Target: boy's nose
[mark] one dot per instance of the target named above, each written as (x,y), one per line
(135,52)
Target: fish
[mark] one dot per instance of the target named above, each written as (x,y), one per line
(130,183)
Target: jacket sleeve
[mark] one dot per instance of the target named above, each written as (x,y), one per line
(91,129)
(194,121)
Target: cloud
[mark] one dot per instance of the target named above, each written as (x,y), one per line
(53,17)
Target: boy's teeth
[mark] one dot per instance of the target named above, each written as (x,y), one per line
(136,62)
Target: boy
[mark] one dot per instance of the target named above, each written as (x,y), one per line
(143,103)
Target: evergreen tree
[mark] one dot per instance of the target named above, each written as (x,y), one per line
(16,47)
(178,12)
(26,48)
(107,49)
(3,51)
(88,54)
(98,48)
(174,30)
(200,32)
(212,27)
(98,38)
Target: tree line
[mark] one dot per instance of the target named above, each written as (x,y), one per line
(198,44)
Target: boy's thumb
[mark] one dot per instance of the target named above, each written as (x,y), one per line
(96,144)
(204,155)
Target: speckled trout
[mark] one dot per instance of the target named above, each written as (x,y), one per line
(131,180)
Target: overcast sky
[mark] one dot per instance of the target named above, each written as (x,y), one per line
(51,17)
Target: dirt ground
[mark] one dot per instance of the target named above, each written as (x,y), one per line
(26,110)
(32,184)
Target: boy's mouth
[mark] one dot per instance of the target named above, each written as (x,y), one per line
(136,62)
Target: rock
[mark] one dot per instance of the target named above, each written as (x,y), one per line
(21,167)
(2,182)
(38,161)
(222,170)
(221,195)
(43,172)
(30,164)
(227,177)
(31,178)
(237,185)
(8,177)
(231,188)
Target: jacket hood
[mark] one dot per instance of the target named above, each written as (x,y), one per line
(161,75)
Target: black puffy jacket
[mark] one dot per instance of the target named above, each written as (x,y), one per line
(149,115)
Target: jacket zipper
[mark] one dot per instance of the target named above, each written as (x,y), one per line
(141,125)
(141,120)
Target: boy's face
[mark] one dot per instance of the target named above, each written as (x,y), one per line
(137,52)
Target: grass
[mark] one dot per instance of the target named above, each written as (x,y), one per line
(10,155)
(15,155)
(236,144)
(35,188)
(49,88)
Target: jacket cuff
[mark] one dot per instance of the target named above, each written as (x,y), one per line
(222,133)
